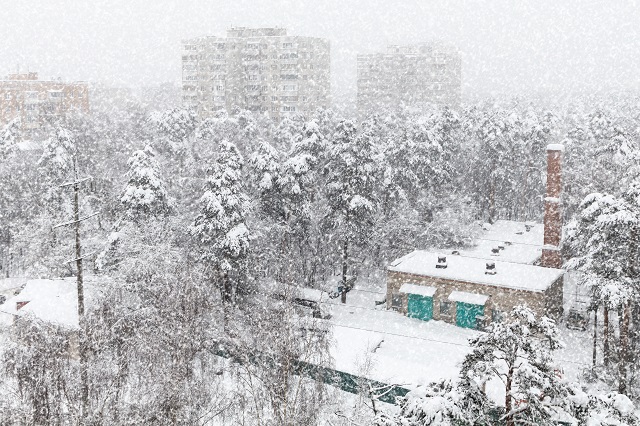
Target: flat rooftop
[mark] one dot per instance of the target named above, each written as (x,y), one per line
(520,242)
(519,276)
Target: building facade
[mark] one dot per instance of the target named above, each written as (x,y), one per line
(262,70)
(415,75)
(470,292)
(36,102)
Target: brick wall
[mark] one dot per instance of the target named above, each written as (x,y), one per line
(504,299)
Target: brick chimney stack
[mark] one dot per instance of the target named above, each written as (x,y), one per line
(551,256)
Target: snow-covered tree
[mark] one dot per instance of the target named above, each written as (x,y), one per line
(515,355)
(220,227)
(177,125)
(58,153)
(265,162)
(602,409)
(298,175)
(286,131)
(352,176)
(9,138)
(145,193)
(602,242)
(437,404)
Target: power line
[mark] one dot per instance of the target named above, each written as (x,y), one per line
(432,340)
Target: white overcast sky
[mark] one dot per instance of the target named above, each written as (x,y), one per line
(508,46)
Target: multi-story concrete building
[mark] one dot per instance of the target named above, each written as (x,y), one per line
(409,76)
(37,102)
(261,69)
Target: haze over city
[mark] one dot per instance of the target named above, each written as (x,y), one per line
(507,47)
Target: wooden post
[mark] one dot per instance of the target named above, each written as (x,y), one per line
(345,257)
(606,354)
(595,341)
(82,332)
(82,338)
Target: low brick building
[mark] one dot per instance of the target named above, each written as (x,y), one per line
(468,291)
(512,263)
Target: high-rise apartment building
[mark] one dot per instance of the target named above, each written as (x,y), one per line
(258,69)
(409,76)
(37,102)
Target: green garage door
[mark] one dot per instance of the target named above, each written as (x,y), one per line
(420,307)
(466,314)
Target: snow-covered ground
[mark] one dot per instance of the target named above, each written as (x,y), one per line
(387,346)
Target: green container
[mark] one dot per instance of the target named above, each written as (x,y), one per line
(420,307)
(466,314)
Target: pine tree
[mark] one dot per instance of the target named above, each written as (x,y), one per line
(298,174)
(352,175)
(58,152)
(436,404)
(145,194)
(516,351)
(602,409)
(265,162)
(603,244)
(220,227)
(9,138)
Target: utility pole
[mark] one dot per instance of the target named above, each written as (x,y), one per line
(82,338)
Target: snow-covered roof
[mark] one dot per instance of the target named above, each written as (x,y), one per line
(421,290)
(555,147)
(471,298)
(520,242)
(53,301)
(472,270)
(312,294)
(28,145)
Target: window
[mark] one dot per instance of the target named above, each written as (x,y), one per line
(7,95)
(287,45)
(396,301)
(445,307)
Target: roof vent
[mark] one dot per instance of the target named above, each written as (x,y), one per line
(495,251)
(528,226)
(508,243)
(456,252)
(442,262)
(491,268)
(501,247)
